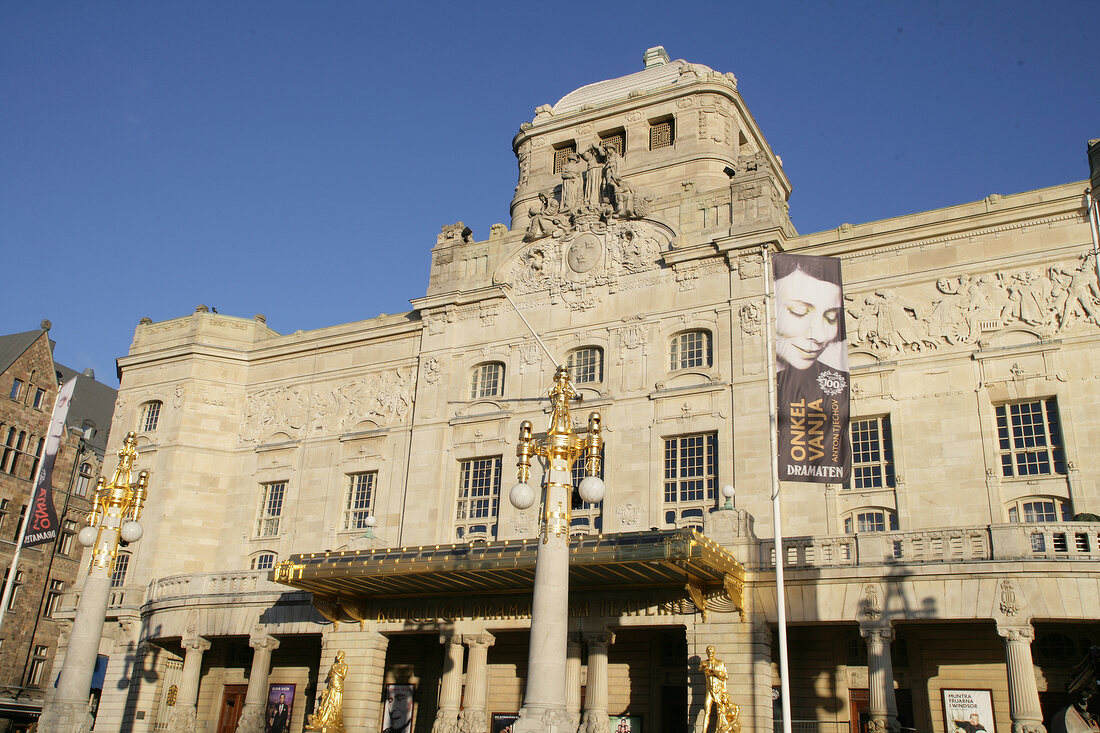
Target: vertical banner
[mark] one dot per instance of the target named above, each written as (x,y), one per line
(811,370)
(42,525)
(280,705)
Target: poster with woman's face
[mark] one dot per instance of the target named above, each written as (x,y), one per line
(280,704)
(811,369)
(399,709)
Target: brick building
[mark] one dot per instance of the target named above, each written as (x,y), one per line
(30,380)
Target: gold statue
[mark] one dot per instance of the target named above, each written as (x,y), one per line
(329,717)
(714,670)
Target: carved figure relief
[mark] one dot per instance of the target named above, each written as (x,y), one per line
(432,370)
(384,397)
(967,308)
(593,193)
(629,514)
(751,318)
(457,233)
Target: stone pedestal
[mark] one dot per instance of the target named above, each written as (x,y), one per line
(450,687)
(1023,693)
(365,654)
(882,703)
(255,699)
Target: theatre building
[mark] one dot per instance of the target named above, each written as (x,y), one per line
(346,488)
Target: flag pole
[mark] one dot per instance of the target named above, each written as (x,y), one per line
(777,523)
(45,463)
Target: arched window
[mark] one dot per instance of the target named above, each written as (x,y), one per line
(487,380)
(690,350)
(150,415)
(83,479)
(264,560)
(871,520)
(585,365)
(1032,509)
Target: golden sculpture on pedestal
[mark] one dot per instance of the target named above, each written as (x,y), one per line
(329,717)
(714,670)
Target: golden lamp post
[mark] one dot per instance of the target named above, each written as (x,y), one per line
(116,508)
(544,703)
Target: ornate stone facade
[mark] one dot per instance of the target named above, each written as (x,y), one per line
(637,249)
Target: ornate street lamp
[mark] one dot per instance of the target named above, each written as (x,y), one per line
(116,508)
(544,704)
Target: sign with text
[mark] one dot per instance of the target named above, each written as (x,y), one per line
(968,711)
(42,524)
(811,370)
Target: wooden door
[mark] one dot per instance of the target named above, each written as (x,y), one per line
(859,710)
(232,707)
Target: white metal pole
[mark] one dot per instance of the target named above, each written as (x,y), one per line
(777,522)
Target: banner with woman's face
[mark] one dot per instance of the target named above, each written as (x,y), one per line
(811,370)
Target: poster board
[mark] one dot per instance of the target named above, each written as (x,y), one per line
(968,711)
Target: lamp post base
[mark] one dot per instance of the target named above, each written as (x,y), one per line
(544,720)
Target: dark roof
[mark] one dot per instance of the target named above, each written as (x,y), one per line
(13,345)
(92,401)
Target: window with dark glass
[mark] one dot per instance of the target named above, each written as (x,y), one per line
(1029,438)
(690,478)
(478,498)
(872,453)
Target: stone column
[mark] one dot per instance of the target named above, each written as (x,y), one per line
(882,703)
(182,719)
(595,718)
(450,687)
(473,718)
(255,699)
(573,679)
(1023,694)
(365,654)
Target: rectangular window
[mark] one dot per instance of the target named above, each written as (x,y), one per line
(478,498)
(615,140)
(271,509)
(19,524)
(19,575)
(150,415)
(1029,438)
(585,365)
(661,134)
(691,478)
(585,518)
(488,381)
(83,480)
(39,397)
(53,598)
(118,570)
(872,453)
(37,666)
(561,155)
(68,532)
(9,450)
(16,388)
(360,497)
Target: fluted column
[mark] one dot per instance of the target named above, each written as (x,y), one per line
(595,718)
(450,687)
(255,699)
(473,718)
(882,703)
(1023,693)
(183,715)
(573,679)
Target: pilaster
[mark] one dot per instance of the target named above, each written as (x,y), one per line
(573,679)
(883,706)
(182,719)
(594,719)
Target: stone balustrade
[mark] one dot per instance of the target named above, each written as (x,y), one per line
(207,584)
(1047,541)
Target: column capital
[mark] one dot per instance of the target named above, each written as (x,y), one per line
(1016,632)
(479,640)
(602,639)
(195,643)
(450,638)
(881,632)
(260,639)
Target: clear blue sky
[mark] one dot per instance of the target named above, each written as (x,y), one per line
(298,159)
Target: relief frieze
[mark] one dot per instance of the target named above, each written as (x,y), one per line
(326,409)
(970,308)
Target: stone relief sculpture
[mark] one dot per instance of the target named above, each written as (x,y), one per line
(966,308)
(333,408)
(592,194)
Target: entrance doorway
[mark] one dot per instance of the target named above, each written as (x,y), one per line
(232,707)
(859,707)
